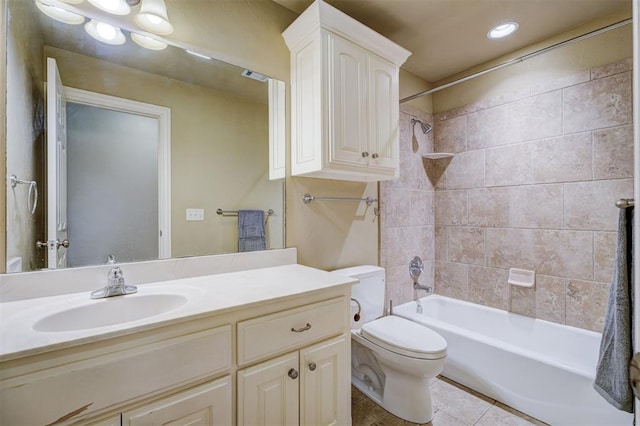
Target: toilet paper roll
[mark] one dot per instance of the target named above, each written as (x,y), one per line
(355,325)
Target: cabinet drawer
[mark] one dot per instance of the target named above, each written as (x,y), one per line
(263,336)
(78,389)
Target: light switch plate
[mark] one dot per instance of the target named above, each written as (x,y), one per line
(195,215)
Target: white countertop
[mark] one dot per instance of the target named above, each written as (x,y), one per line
(208,295)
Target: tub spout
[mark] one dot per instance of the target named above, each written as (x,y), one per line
(426,288)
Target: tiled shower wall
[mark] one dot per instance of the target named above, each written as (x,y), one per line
(533,186)
(407,215)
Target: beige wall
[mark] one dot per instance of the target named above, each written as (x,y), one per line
(406,221)
(219,150)
(3,144)
(543,150)
(533,185)
(539,71)
(24,138)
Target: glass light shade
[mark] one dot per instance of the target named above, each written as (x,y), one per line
(59,14)
(148,42)
(104,33)
(153,17)
(502,30)
(116,7)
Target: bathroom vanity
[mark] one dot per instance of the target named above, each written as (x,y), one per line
(262,346)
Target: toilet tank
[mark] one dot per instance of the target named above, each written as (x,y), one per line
(369,292)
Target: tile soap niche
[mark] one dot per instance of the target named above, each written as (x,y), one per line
(521,277)
(435,163)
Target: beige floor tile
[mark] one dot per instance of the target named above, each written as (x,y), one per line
(458,402)
(441,418)
(502,415)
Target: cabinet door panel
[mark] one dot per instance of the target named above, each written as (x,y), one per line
(267,395)
(346,109)
(383,114)
(326,380)
(205,405)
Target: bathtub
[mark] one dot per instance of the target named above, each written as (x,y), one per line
(543,369)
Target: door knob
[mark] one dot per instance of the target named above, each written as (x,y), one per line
(42,244)
(312,366)
(293,373)
(374,155)
(365,154)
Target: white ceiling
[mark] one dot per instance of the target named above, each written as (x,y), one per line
(449,36)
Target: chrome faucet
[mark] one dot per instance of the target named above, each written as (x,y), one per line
(115,285)
(415,269)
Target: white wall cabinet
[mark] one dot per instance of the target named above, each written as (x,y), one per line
(306,387)
(345,97)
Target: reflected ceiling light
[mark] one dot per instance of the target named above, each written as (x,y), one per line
(148,42)
(59,14)
(199,55)
(116,7)
(105,33)
(153,17)
(502,30)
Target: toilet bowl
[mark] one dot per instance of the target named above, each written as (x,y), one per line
(393,359)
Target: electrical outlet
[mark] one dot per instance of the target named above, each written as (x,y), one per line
(195,215)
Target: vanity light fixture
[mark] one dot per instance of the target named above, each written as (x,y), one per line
(199,55)
(59,14)
(148,42)
(503,30)
(116,7)
(105,33)
(153,17)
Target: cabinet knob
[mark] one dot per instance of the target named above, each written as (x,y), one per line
(312,366)
(293,373)
(374,155)
(365,154)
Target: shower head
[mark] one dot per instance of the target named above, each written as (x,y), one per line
(426,127)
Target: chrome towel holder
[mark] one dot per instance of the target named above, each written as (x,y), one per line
(32,198)
(308,198)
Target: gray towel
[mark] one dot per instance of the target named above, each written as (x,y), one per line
(612,371)
(251,233)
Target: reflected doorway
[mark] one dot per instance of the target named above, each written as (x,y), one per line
(116,187)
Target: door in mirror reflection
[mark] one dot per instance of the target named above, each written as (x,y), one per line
(116,195)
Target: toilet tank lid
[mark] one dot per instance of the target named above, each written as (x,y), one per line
(361,271)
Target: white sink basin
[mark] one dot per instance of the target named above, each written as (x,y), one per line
(110,311)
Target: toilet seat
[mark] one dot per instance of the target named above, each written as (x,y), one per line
(405,337)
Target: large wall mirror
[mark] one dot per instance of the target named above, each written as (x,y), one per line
(161,148)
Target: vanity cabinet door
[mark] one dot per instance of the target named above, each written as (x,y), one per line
(209,404)
(325,384)
(268,392)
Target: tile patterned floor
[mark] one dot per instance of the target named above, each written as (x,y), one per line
(454,405)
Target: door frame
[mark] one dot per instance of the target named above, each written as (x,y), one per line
(163,115)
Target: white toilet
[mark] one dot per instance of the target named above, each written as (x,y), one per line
(392,358)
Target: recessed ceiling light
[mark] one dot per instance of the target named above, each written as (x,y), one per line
(116,7)
(199,55)
(105,33)
(59,14)
(148,42)
(502,30)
